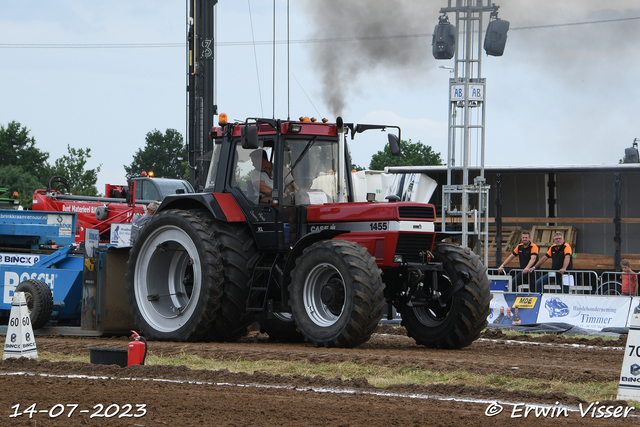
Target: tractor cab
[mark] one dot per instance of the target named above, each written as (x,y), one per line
(277,169)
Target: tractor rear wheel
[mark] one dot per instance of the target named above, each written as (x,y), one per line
(239,255)
(337,294)
(39,301)
(174,277)
(464,315)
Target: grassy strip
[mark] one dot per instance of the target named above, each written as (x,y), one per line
(376,375)
(588,337)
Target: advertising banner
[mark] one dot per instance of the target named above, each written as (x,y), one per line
(18,258)
(496,302)
(584,311)
(504,305)
(121,234)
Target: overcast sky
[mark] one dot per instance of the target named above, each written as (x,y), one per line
(561,94)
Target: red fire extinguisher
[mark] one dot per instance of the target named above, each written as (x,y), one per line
(137,350)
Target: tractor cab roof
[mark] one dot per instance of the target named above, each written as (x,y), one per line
(267,127)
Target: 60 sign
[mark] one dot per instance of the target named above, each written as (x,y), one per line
(15,321)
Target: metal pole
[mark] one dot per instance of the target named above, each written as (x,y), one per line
(617,255)
(201,108)
(465,130)
(498,219)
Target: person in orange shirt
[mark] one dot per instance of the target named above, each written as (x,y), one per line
(527,253)
(629,279)
(561,261)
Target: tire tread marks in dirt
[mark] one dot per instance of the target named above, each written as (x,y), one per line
(468,308)
(239,257)
(364,299)
(208,300)
(39,301)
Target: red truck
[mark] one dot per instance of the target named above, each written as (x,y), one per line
(120,204)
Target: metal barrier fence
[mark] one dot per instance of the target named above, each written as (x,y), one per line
(612,283)
(573,282)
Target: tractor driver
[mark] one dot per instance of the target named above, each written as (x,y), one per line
(262,175)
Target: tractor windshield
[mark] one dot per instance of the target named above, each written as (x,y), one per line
(312,164)
(309,170)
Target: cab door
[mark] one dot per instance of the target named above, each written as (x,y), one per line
(261,215)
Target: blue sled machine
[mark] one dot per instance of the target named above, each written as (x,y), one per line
(39,256)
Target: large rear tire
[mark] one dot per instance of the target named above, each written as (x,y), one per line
(174,277)
(239,255)
(39,300)
(465,314)
(337,294)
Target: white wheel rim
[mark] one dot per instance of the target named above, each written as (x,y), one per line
(165,258)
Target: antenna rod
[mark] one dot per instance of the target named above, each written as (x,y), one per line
(274,59)
(288,66)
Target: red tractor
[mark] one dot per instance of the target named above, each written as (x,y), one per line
(298,254)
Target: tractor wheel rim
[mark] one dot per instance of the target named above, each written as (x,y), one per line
(327,278)
(168,281)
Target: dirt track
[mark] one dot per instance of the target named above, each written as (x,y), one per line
(189,397)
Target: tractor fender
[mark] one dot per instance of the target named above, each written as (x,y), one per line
(223,206)
(443,235)
(296,251)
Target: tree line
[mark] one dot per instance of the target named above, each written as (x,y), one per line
(411,154)
(25,168)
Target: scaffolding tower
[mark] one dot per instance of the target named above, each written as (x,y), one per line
(465,204)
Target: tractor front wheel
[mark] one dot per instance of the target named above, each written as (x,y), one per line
(337,294)
(464,315)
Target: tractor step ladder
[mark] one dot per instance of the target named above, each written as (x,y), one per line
(262,276)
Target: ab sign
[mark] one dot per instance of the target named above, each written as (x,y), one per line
(476,93)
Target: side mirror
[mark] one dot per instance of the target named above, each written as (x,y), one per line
(249,135)
(394,144)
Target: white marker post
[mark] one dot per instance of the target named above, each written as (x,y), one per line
(629,385)
(20,341)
